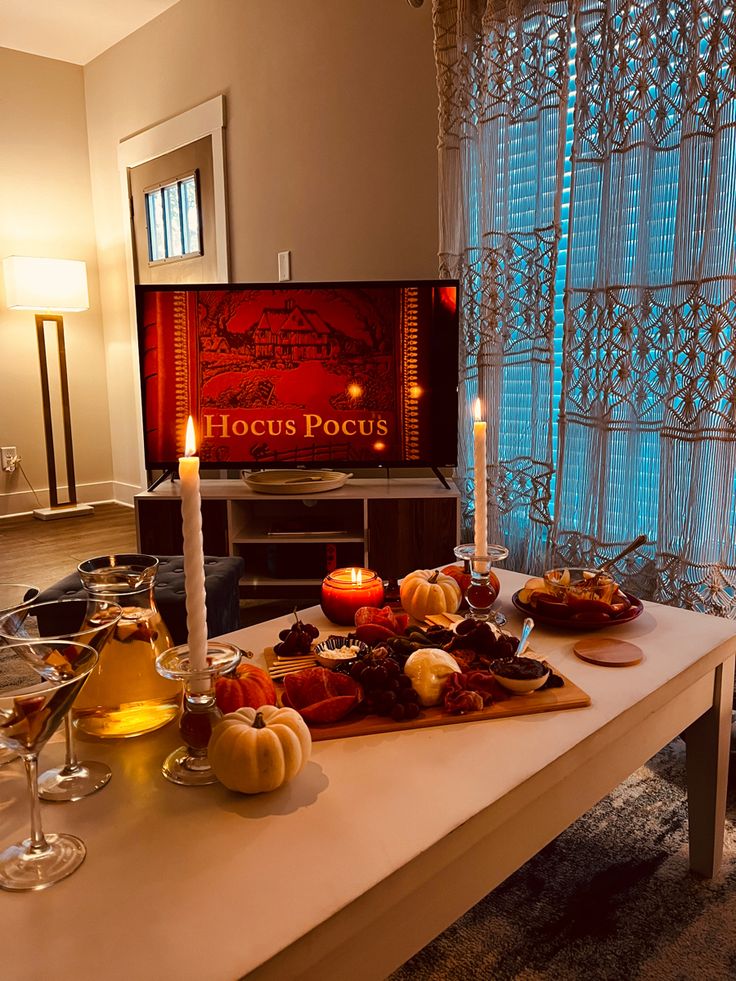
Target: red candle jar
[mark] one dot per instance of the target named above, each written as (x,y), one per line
(345,590)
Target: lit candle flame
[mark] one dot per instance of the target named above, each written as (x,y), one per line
(190,443)
(357,576)
(477,412)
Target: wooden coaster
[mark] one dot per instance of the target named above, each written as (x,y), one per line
(609,651)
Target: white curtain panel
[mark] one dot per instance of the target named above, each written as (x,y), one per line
(640,435)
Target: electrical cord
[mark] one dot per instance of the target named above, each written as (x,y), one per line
(20,467)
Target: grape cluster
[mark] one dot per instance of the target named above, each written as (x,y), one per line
(387,690)
(480,638)
(296,639)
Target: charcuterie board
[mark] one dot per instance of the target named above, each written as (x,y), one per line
(549,700)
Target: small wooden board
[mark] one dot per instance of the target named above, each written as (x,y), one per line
(609,651)
(550,700)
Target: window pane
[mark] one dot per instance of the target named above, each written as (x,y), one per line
(174,244)
(155,214)
(191,223)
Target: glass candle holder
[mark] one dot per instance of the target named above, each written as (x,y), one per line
(481,594)
(189,764)
(345,590)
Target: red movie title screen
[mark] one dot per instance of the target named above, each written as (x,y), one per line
(318,374)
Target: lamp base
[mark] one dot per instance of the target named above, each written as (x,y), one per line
(62,511)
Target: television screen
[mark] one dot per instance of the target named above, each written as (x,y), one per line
(320,374)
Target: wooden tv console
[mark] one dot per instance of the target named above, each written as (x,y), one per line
(289,541)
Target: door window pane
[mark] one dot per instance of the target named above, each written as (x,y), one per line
(172,214)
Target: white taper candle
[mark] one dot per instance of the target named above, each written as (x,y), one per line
(191,513)
(479,471)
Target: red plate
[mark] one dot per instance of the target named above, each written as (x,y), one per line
(632,613)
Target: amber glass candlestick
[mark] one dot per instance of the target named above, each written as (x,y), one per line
(480,595)
(189,764)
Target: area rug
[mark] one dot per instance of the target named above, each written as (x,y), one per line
(610,898)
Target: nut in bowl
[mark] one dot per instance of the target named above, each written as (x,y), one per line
(520,675)
(338,650)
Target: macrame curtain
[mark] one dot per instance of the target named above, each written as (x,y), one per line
(502,84)
(645,427)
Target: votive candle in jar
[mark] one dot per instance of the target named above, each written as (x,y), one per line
(345,590)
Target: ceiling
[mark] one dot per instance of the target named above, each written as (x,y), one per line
(73,30)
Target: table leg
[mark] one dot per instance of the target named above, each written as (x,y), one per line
(708,742)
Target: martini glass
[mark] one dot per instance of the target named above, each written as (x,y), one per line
(12,596)
(84,621)
(15,594)
(39,680)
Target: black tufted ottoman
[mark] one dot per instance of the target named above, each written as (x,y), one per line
(221,577)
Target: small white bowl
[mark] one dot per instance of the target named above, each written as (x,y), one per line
(338,650)
(521,686)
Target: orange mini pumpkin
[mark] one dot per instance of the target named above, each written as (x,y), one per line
(250,688)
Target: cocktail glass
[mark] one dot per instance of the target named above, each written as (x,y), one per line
(15,594)
(12,596)
(39,680)
(189,764)
(480,594)
(85,621)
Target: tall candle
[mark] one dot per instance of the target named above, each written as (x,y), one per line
(479,469)
(191,514)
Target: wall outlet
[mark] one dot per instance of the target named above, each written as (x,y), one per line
(284,266)
(8,458)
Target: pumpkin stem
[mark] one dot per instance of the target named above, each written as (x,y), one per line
(258,722)
(433,577)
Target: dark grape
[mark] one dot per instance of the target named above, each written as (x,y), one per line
(387,690)
(465,627)
(386,701)
(296,639)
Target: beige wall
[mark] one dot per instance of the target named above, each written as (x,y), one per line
(46,210)
(330,151)
(330,144)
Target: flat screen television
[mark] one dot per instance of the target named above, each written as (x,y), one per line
(339,375)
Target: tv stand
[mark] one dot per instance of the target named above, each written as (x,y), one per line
(289,541)
(159,480)
(441,477)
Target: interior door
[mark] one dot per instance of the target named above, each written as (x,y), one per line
(165,170)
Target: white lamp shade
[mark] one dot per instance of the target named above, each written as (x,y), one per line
(55,285)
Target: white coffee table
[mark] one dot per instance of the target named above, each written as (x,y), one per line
(379,844)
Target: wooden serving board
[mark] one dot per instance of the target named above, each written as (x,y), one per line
(550,700)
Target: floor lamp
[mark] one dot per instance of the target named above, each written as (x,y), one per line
(54,286)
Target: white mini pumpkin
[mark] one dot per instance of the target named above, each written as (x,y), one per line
(427,591)
(256,750)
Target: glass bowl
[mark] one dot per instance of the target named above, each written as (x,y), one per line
(573,585)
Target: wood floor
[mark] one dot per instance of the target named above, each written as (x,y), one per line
(42,552)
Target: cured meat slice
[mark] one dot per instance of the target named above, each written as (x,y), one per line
(471,691)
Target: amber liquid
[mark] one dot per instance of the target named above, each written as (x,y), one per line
(124,695)
(34,717)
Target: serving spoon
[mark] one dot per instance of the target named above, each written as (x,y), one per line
(526,629)
(637,542)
